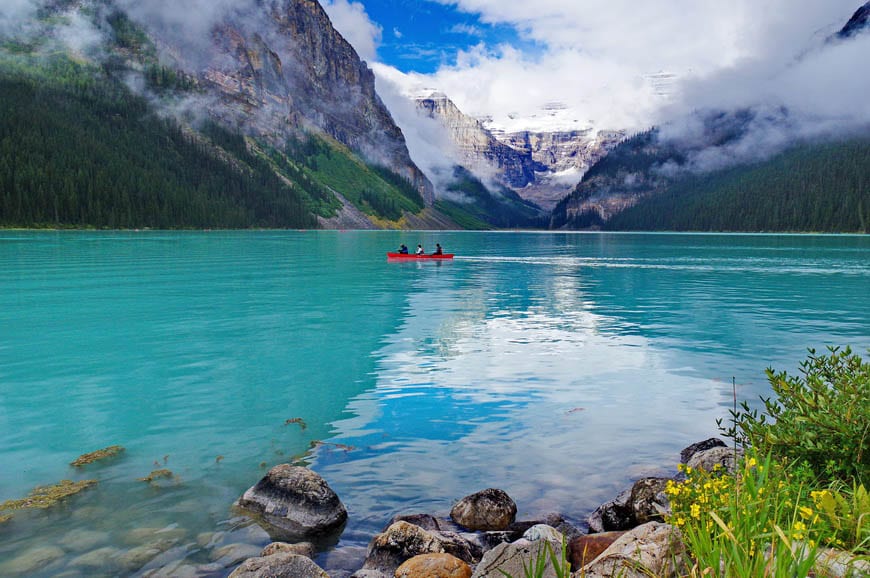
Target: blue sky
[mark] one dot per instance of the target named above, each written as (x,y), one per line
(421,36)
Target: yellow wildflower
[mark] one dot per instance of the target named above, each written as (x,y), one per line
(695,511)
(797,531)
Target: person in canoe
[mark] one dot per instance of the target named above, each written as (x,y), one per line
(403,249)
(419,250)
(438,250)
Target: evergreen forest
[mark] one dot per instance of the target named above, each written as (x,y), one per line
(809,188)
(79,150)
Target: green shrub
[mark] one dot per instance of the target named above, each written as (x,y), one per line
(819,419)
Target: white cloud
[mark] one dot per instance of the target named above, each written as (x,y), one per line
(397,33)
(596,55)
(352,21)
(14,13)
(467,29)
(429,143)
(512,88)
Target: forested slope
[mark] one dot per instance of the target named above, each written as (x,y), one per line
(79,150)
(811,188)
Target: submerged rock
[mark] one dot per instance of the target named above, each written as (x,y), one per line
(102,559)
(134,558)
(32,560)
(489,509)
(296,502)
(279,565)
(83,540)
(232,554)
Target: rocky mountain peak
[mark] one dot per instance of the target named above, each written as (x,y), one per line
(541,165)
(860,22)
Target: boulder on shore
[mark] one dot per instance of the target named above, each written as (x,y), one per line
(648,500)
(724,457)
(434,566)
(397,544)
(653,549)
(487,510)
(295,503)
(513,558)
(584,549)
(696,447)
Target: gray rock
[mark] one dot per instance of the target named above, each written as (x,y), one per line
(707,444)
(280,565)
(489,509)
(838,564)
(553,519)
(544,532)
(32,560)
(427,522)
(652,549)
(648,500)
(515,557)
(721,456)
(615,515)
(296,503)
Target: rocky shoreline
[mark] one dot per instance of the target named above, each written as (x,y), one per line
(300,519)
(624,537)
(481,537)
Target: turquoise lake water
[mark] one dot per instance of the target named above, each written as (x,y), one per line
(558,367)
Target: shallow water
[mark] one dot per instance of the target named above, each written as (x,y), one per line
(555,366)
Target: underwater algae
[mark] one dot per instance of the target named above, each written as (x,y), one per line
(91,457)
(47,496)
(157,475)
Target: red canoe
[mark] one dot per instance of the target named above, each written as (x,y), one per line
(413,257)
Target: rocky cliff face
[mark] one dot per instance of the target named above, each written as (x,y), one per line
(857,24)
(481,152)
(542,167)
(275,66)
(565,155)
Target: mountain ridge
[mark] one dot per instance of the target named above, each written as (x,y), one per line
(272,78)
